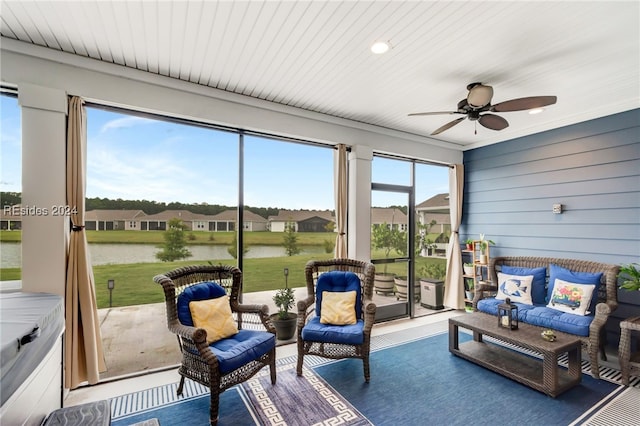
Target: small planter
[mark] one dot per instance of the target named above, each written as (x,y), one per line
(468,294)
(285,328)
(402,288)
(468,270)
(383,283)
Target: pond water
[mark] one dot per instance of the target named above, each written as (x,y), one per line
(105,254)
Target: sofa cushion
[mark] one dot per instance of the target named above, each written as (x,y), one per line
(542,316)
(241,348)
(490,306)
(314,331)
(515,287)
(538,290)
(558,272)
(571,298)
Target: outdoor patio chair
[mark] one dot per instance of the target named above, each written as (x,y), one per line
(223,342)
(336,318)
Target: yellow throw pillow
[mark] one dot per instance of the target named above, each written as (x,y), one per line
(338,308)
(214,315)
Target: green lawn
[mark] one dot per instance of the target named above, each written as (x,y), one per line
(134,282)
(193,237)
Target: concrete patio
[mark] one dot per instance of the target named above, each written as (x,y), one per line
(136,339)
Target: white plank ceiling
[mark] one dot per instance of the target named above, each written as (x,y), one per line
(315,55)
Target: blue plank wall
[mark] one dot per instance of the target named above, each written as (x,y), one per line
(591,168)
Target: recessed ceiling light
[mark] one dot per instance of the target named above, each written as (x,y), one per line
(536,111)
(380,47)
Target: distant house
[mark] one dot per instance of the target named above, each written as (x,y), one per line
(435,208)
(302,220)
(193,221)
(226,221)
(11,218)
(393,217)
(109,220)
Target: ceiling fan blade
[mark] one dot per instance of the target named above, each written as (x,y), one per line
(432,113)
(522,104)
(493,122)
(447,126)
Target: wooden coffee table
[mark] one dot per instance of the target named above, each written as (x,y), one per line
(544,375)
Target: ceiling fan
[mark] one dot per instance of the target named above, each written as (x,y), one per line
(479,101)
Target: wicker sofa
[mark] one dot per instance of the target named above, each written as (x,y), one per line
(538,314)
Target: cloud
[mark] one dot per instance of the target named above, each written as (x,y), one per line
(125,122)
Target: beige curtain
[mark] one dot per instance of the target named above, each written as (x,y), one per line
(340,190)
(454,286)
(84,358)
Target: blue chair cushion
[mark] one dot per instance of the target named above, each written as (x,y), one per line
(335,281)
(542,316)
(352,334)
(241,348)
(202,291)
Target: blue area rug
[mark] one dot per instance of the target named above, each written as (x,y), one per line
(421,382)
(418,382)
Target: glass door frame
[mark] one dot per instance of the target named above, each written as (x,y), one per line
(392,311)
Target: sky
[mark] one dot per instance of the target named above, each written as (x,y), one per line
(137,158)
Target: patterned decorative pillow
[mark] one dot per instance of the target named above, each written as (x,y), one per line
(338,307)
(571,298)
(538,289)
(515,287)
(560,273)
(214,315)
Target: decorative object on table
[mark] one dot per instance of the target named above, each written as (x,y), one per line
(630,275)
(284,321)
(549,335)
(508,315)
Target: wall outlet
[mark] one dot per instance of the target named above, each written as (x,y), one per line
(557,208)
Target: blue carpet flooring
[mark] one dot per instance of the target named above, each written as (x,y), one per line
(422,383)
(415,383)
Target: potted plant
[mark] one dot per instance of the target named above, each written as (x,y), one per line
(468,288)
(387,238)
(630,275)
(284,321)
(468,268)
(469,243)
(484,245)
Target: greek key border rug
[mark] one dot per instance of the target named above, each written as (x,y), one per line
(294,400)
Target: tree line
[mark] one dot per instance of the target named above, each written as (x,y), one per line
(149,207)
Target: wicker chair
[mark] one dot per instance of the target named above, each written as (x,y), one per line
(208,364)
(607,295)
(312,340)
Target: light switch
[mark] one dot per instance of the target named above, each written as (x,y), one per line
(557,208)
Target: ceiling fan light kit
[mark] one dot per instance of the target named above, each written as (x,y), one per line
(479,101)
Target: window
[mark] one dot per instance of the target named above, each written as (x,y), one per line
(11,190)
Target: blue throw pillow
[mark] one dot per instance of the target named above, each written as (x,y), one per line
(333,281)
(577,277)
(538,290)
